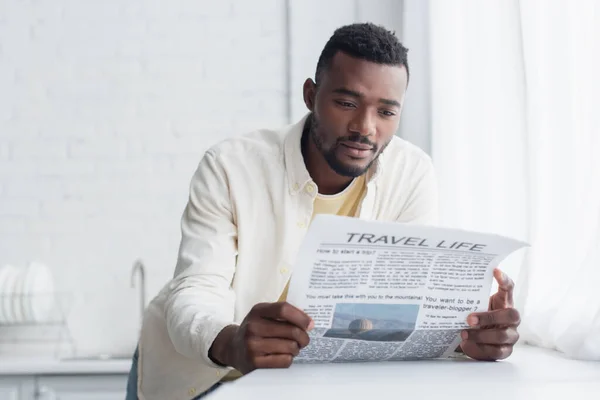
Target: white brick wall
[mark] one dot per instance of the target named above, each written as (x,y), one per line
(105,109)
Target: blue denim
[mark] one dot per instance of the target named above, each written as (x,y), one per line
(132,381)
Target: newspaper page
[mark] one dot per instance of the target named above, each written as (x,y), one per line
(385,291)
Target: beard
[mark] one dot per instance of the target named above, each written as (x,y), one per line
(333,160)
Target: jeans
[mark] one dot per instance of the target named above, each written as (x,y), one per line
(132,381)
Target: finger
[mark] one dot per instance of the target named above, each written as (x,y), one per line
(267,346)
(491,336)
(506,286)
(286,312)
(266,328)
(485,352)
(274,361)
(503,317)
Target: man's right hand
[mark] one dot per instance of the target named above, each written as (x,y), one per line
(270,336)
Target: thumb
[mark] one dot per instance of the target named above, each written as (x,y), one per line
(504,297)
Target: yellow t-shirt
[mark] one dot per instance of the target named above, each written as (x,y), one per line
(345,203)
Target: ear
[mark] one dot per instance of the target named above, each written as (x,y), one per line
(310,91)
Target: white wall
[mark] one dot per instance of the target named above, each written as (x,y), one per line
(415,125)
(105,109)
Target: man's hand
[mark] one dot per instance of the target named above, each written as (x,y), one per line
(270,336)
(493,333)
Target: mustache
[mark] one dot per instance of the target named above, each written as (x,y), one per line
(356,139)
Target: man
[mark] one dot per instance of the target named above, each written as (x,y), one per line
(251,200)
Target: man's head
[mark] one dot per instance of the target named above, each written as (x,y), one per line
(357,96)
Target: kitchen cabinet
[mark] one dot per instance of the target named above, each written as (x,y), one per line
(17,388)
(9,390)
(81,387)
(30,379)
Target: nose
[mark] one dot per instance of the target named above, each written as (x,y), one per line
(363,124)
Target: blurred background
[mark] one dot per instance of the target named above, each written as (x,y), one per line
(105,110)
(106,107)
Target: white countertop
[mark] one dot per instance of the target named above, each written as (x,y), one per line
(52,366)
(530,373)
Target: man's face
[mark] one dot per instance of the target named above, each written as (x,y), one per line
(356,112)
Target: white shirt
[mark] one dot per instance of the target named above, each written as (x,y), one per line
(250,203)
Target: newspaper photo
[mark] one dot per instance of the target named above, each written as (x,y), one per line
(382,291)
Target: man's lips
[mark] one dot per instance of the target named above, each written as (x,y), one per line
(356,150)
(357,146)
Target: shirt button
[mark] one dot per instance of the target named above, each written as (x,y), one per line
(283,270)
(301,224)
(296,186)
(218,373)
(310,188)
(192,391)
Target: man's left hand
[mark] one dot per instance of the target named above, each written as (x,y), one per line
(493,333)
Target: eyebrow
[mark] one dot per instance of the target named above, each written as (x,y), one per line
(359,95)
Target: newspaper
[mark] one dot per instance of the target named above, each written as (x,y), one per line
(390,291)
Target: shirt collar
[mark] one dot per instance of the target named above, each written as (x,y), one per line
(297,174)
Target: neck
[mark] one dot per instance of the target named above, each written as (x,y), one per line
(327,180)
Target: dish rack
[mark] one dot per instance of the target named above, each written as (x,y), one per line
(42,333)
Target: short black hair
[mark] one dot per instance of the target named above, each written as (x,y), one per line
(366,41)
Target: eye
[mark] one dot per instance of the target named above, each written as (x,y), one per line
(387,113)
(345,104)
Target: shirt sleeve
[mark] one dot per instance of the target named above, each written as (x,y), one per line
(200,301)
(422,205)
